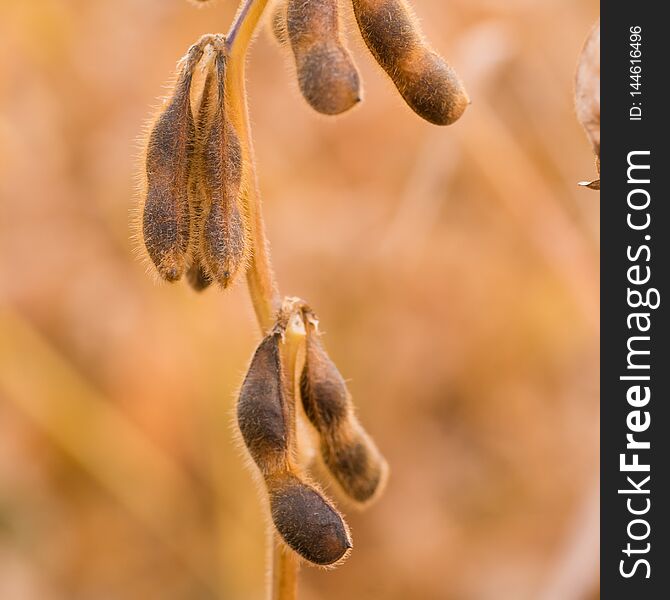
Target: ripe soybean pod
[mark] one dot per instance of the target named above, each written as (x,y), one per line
(225,228)
(347,451)
(198,275)
(305,520)
(165,213)
(309,524)
(425,80)
(327,76)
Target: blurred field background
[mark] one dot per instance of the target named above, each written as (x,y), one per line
(455,271)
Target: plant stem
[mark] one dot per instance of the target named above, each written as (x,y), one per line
(260,276)
(284,572)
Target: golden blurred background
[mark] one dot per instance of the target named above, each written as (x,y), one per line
(455,271)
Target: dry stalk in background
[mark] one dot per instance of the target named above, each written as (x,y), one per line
(587,95)
(201,218)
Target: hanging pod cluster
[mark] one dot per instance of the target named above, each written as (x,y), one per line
(326,73)
(304,518)
(196,222)
(194,217)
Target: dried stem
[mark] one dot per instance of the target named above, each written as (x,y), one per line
(284,572)
(260,276)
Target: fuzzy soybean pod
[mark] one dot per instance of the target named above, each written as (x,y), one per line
(347,451)
(327,75)
(307,522)
(225,230)
(197,275)
(262,410)
(165,215)
(425,80)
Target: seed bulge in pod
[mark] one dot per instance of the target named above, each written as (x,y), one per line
(225,244)
(323,391)
(355,462)
(434,92)
(308,523)
(262,413)
(347,451)
(425,80)
(327,75)
(165,218)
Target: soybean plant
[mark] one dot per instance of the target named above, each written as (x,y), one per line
(200,218)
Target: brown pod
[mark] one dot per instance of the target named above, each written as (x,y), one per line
(323,391)
(355,462)
(348,452)
(306,521)
(262,412)
(197,275)
(165,218)
(425,80)
(326,73)
(225,244)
